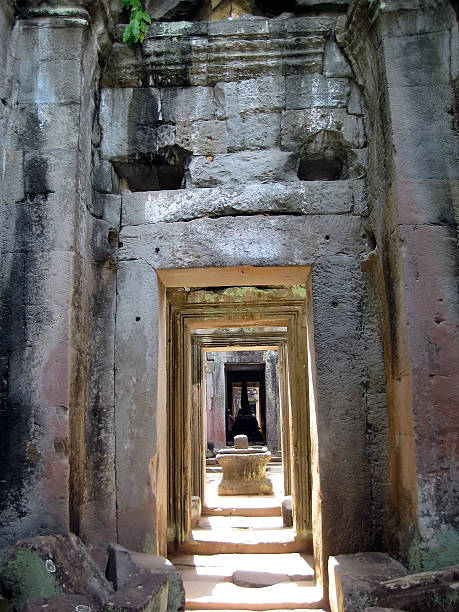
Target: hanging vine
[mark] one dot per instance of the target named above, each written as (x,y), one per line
(139,21)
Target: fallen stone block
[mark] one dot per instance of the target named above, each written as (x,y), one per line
(64,603)
(52,566)
(423,592)
(143,593)
(120,566)
(354,580)
(358,582)
(161,566)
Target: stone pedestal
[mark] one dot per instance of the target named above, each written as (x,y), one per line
(244,472)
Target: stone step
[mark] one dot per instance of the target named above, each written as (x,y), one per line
(246,523)
(216,595)
(237,510)
(236,505)
(217,541)
(295,566)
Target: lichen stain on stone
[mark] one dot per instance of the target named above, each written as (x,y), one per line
(25,577)
(299,291)
(33,455)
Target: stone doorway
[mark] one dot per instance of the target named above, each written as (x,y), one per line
(279,302)
(253,376)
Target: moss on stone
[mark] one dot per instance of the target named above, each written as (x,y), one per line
(25,576)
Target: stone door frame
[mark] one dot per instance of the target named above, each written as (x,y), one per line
(183,316)
(234,340)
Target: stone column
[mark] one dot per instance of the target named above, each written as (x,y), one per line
(414,265)
(49,402)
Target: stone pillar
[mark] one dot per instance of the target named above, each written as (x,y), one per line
(273,434)
(414,217)
(47,147)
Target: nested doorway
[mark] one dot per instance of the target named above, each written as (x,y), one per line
(252,377)
(261,303)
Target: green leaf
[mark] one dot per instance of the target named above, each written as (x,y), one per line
(139,21)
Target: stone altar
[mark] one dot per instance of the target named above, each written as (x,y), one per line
(244,471)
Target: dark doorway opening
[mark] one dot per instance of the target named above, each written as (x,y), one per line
(252,377)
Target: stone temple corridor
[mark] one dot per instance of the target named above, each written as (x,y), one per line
(241,557)
(251,211)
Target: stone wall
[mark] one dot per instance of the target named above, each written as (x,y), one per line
(198,150)
(55,256)
(406,66)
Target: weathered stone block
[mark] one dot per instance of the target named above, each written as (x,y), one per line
(128,118)
(239,27)
(62,603)
(244,474)
(196,509)
(44,126)
(12,181)
(48,41)
(49,81)
(255,131)
(421,60)
(241,441)
(104,177)
(255,579)
(44,567)
(142,593)
(161,566)
(335,62)
(422,135)
(307,197)
(299,241)
(242,168)
(264,94)
(48,171)
(298,125)
(354,579)
(203,137)
(315,90)
(355,100)
(187,104)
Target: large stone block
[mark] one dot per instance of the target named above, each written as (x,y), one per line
(161,566)
(242,168)
(203,137)
(187,104)
(335,62)
(49,41)
(48,566)
(312,197)
(421,60)
(298,125)
(260,95)
(49,81)
(422,137)
(12,181)
(287,240)
(128,118)
(48,171)
(44,126)
(255,131)
(315,90)
(355,579)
